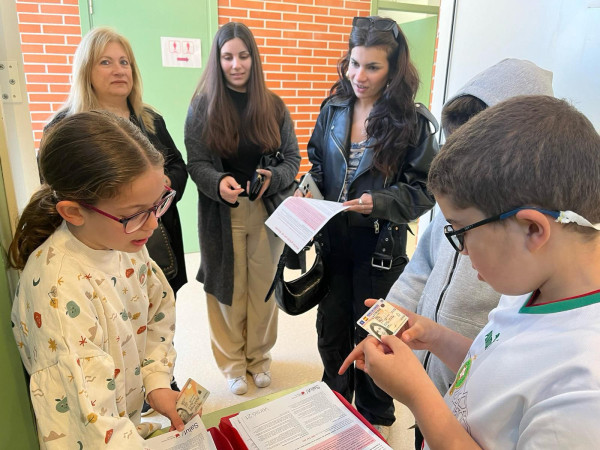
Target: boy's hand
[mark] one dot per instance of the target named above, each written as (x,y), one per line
(163,401)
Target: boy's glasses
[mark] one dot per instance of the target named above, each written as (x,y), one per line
(379,23)
(457,238)
(137,220)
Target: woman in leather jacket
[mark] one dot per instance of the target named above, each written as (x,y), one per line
(371,149)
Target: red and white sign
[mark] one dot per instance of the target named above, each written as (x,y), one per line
(181,52)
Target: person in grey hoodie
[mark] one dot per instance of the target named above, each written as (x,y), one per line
(438,282)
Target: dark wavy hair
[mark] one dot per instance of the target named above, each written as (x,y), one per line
(86,157)
(264,112)
(392,122)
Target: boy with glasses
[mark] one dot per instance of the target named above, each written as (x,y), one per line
(531,378)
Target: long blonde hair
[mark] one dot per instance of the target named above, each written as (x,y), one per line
(82,96)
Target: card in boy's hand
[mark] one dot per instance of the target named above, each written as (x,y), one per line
(190,400)
(382,319)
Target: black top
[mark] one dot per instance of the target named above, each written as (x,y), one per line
(244,163)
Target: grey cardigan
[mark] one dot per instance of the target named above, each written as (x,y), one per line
(214,216)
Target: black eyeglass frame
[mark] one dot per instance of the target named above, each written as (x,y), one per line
(379,23)
(165,202)
(457,238)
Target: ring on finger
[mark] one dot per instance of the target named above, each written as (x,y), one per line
(360,201)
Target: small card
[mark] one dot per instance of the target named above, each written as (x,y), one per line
(190,400)
(382,319)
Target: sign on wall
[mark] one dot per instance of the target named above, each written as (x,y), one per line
(180,52)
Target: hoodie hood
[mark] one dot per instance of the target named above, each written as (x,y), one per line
(508,78)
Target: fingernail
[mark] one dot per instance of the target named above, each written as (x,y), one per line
(180,428)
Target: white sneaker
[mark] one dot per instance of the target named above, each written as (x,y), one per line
(262,379)
(239,385)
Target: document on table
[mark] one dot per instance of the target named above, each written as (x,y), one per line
(297,220)
(311,418)
(193,437)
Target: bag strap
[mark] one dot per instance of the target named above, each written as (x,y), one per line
(279,272)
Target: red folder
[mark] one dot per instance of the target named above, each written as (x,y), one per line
(236,442)
(221,442)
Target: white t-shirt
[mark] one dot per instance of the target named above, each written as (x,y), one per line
(531,378)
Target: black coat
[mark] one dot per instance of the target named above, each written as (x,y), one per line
(400,199)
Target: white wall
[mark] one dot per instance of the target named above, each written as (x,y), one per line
(562,36)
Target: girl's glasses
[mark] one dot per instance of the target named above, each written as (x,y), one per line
(378,23)
(137,220)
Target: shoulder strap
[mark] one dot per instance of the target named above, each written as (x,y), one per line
(421,109)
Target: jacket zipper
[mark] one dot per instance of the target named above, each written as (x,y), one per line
(337,145)
(439,303)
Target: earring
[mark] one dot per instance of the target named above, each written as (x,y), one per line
(348,73)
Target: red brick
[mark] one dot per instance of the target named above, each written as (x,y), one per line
(298,34)
(314,27)
(267,33)
(45,58)
(74,40)
(38,1)
(42,39)
(238,12)
(265,15)
(62,29)
(47,98)
(329,20)
(34,68)
(40,117)
(246,4)
(56,68)
(39,18)
(299,51)
(313,10)
(37,87)
(27,7)
(61,49)
(284,7)
(72,20)
(60,88)
(38,107)
(70,2)
(32,48)
(46,78)
(29,28)
(64,10)
(282,25)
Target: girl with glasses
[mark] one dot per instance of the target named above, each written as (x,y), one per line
(93,316)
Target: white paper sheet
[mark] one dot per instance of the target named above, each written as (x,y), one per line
(297,220)
(312,418)
(193,437)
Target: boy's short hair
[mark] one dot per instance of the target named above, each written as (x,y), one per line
(459,111)
(526,151)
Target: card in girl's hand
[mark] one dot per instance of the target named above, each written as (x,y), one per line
(190,400)
(382,319)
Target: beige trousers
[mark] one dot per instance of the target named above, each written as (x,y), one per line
(243,334)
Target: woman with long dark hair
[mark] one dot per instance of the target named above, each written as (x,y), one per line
(371,149)
(234,120)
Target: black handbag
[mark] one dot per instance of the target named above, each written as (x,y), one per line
(272,201)
(304,293)
(161,251)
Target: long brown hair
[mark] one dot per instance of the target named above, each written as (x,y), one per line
(264,113)
(392,122)
(85,157)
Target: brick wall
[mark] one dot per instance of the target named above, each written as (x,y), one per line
(300,43)
(50,33)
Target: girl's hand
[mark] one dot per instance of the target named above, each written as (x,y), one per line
(363,205)
(230,189)
(163,401)
(267,174)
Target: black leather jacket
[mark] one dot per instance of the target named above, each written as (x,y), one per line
(400,199)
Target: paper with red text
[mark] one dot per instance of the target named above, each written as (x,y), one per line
(297,220)
(193,437)
(311,418)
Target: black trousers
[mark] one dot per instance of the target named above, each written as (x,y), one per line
(348,252)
